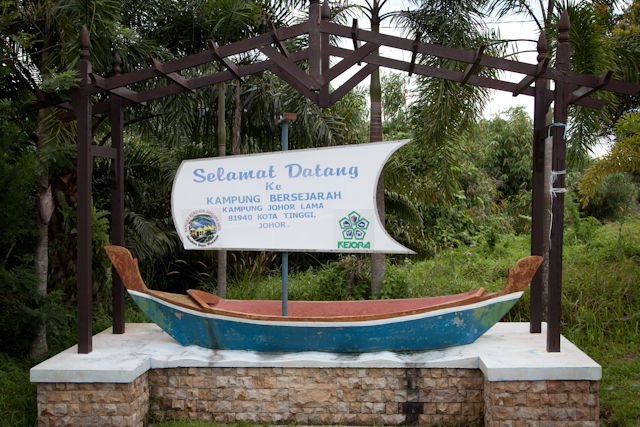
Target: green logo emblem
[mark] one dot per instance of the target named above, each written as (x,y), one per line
(354,226)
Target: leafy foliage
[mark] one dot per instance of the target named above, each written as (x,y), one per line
(623,156)
(616,196)
(17,180)
(23,309)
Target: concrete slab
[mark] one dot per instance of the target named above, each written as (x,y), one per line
(507,352)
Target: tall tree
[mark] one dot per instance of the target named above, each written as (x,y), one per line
(43,39)
(373,10)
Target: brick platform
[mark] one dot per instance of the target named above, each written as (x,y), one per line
(319,396)
(94,404)
(541,403)
(505,379)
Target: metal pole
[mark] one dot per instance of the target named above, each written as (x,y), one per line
(285,255)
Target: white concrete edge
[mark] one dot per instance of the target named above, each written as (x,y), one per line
(161,351)
(89,375)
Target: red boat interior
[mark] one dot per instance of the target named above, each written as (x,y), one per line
(332,308)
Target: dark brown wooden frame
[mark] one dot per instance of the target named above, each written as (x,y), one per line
(570,88)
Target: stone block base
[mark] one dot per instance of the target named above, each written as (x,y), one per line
(504,379)
(541,403)
(94,404)
(321,396)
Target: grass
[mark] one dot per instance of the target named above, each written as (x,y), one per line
(601,307)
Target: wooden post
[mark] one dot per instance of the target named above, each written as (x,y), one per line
(82,109)
(558,130)
(324,65)
(117,198)
(314,40)
(537,193)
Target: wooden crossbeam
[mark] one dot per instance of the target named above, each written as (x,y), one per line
(452,75)
(114,84)
(414,52)
(541,68)
(122,92)
(196,83)
(45,100)
(585,91)
(487,61)
(278,42)
(196,59)
(472,66)
(108,152)
(354,36)
(291,68)
(296,84)
(176,78)
(337,94)
(348,62)
(224,61)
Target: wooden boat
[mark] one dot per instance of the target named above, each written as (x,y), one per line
(206,320)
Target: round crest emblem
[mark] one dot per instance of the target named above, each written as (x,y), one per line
(202,228)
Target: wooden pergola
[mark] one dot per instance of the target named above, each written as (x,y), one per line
(569,88)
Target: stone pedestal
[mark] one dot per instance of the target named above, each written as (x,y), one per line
(505,379)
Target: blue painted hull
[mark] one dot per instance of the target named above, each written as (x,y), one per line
(432,330)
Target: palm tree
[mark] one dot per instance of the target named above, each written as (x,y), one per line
(373,11)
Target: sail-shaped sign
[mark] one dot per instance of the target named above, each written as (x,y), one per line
(320,199)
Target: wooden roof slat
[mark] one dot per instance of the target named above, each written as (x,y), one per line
(337,94)
(473,65)
(108,152)
(113,84)
(296,84)
(348,62)
(414,52)
(122,92)
(219,77)
(291,68)
(354,36)
(45,100)
(245,70)
(585,91)
(174,77)
(204,57)
(277,41)
(541,68)
(456,76)
(488,61)
(226,62)
(399,42)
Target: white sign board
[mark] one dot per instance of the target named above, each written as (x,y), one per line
(320,199)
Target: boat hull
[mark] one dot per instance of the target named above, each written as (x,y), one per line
(425,331)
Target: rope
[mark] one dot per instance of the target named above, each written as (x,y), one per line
(553,191)
(564,125)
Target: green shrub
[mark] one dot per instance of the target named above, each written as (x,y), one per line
(614,198)
(23,309)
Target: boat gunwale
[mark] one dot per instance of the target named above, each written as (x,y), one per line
(336,321)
